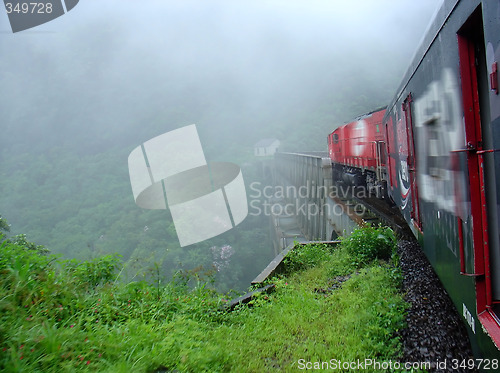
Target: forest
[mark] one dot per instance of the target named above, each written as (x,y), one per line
(80,93)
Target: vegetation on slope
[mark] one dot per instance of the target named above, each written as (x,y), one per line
(59,315)
(95,216)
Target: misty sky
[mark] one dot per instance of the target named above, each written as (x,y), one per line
(242,62)
(79,93)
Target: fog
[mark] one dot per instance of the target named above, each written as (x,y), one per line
(80,92)
(234,64)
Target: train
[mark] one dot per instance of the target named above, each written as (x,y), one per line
(358,153)
(434,151)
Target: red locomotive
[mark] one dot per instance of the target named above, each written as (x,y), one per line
(358,153)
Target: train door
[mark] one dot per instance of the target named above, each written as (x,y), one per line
(391,164)
(481,171)
(380,158)
(411,163)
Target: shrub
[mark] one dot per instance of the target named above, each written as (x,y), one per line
(305,256)
(368,243)
(94,272)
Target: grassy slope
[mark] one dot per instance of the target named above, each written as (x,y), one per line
(72,316)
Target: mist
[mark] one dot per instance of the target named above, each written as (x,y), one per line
(80,92)
(120,65)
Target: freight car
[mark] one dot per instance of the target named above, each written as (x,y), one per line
(439,149)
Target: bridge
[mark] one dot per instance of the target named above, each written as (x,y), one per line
(305,204)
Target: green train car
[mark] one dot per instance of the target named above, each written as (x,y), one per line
(442,139)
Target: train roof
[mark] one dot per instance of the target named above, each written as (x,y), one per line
(363,116)
(369,114)
(437,23)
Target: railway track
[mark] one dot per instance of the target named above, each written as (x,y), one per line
(371,210)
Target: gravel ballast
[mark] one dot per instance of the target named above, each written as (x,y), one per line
(435,331)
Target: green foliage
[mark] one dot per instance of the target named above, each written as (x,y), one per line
(93,272)
(306,256)
(360,248)
(81,206)
(368,243)
(4,225)
(342,262)
(21,240)
(59,315)
(369,301)
(306,317)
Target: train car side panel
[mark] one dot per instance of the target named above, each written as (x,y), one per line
(449,109)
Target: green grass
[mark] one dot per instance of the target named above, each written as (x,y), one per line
(67,316)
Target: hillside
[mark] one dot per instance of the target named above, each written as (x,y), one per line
(81,92)
(332,303)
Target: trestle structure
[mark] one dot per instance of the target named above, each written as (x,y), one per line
(306,204)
